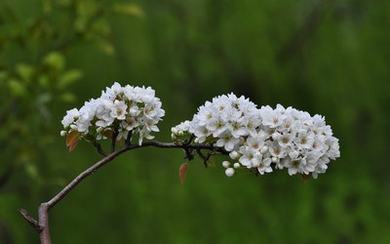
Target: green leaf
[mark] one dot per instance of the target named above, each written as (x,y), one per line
(68,78)
(17,88)
(3,75)
(106,47)
(55,60)
(101,27)
(86,8)
(25,71)
(131,9)
(80,24)
(47,6)
(68,97)
(43,81)
(65,3)
(31,170)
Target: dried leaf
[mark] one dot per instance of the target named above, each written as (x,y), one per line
(183,172)
(108,133)
(71,140)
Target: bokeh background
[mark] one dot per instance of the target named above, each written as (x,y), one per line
(324,56)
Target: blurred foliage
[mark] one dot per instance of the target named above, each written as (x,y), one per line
(34,78)
(324,56)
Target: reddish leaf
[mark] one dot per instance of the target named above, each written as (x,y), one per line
(183,172)
(71,140)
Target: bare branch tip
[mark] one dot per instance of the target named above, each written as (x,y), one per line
(33,222)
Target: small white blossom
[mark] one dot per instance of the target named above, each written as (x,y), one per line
(70,117)
(118,110)
(264,166)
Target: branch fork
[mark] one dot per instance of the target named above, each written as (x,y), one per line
(42,224)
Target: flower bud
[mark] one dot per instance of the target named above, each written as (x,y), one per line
(226,164)
(234,155)
(229,172)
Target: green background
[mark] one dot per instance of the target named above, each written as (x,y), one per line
(328,57)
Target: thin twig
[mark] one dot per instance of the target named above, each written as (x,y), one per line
(43,224)
(33,222)
(204,157)
(99,148)
(113,140)
(128,138)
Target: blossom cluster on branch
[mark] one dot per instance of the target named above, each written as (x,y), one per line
(262,139)
(259,139)
(256,139)
(118,111)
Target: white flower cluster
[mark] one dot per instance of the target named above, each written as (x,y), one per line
(121,109)
(263,139)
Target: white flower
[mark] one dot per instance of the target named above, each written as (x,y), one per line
(264,166)
(70,117)
(270,117)
(305,139)
(256,141)
(295,166)
(284,140)
(277,151)
(237,129)
(249,156)
(227,141)
(83,123)
(201,133)
(130,123)
(257,159)
(218,126)
(103,113)
(118,110)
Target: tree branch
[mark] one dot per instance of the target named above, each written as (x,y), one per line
(42,226)
(33,222)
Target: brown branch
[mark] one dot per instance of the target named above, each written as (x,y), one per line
(42,225)
(113,140)
(33,222)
